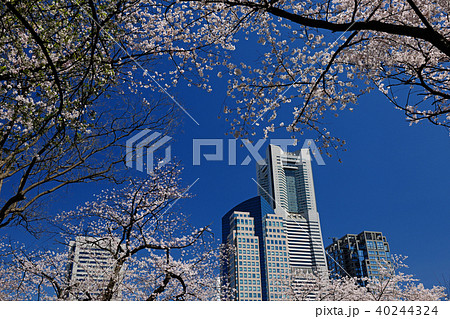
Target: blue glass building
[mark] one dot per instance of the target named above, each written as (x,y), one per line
(359,255)
(259,267)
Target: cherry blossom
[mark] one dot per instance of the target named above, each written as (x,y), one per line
(392,284)
(150,252)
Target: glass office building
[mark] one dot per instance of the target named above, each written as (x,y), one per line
(359,255)
(257,263)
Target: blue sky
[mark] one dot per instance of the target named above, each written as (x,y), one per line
(393,178)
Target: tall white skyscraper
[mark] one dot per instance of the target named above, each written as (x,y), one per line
(286,182)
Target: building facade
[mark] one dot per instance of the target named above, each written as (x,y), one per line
(277,231)
(89,266)
(277,269)
(257,264)
(359,255)
(285,181)
(244,264)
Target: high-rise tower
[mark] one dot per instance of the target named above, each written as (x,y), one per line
(257,268)
(361,255)
(285,180)
(90,267)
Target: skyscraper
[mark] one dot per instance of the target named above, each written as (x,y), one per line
(90,266)
(274,237)
(244,264)
(359,255)
(285,181)
(258,266)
